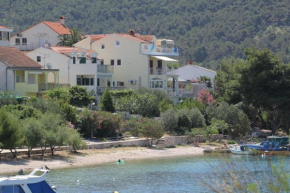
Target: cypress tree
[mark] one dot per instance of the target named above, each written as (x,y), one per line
(107,101)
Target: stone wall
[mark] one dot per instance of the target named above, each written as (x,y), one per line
(166,142)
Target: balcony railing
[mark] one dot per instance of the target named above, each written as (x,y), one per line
(162,71)
(158,50)
(49,86)
(100,90)
(105,69)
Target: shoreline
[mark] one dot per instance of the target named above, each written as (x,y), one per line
(89,157)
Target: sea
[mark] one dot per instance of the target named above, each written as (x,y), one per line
(204,173)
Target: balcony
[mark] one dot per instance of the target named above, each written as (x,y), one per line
(161,47)
(23,47)
(100,89)
(49,86)
(162,71)
(105,69)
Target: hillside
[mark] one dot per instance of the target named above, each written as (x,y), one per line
(204,30)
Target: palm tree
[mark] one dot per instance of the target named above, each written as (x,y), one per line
(70,39)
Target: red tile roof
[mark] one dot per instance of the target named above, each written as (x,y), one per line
(12,57)
(68,50)
(147,38)
(138,38)
(57,27)
(3,27)
(132,38)
(97,37)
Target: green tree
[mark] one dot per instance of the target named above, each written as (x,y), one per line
(70,39)
(228,80)
(107,101)
(151,129)
(10,132)
(237,120)
(53,125)
(265,82)
(34,134)
(75,141)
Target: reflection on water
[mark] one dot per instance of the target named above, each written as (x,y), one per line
(170,175)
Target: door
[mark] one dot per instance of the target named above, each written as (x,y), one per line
(151,66)
(159,68)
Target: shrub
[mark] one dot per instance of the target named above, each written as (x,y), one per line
(88,123)
(132,126)
(232,142)
(145,105)
(170,120)
(183,124)
(79,96)
(109,125)
(196,117)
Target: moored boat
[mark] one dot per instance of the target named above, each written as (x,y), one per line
(273,146)
(241,150)
(31,183)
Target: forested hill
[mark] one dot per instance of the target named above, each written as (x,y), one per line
(204,30)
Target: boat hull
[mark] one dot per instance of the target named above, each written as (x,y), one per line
(273,152)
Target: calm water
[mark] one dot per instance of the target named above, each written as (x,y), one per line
(173,175)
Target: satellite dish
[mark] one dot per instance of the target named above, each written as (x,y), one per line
(49,66)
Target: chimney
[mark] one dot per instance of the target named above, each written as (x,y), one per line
(62,20)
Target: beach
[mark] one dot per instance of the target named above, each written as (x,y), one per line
(89,157)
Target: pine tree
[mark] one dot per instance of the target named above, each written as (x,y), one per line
(107,101)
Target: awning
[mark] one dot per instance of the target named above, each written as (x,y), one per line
(165,58)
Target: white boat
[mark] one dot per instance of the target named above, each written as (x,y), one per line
(241,150)
(31,183)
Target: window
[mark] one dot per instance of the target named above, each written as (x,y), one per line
(31,79)
(113,83)
(112,62)
(146,47)
(102,46)
(38,58)
(159,63)
(17,41)
(94,60)
(102,62)
(74,60)
(17,78)
(98,82)
(117,43)
(119,62)
(0,35)
(120,83)
(83,60)
(5,36)
(84,81)
(24,41)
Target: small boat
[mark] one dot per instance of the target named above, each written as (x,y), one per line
(241,150)
(273,146)
(31,183)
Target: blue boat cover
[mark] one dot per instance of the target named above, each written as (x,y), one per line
(41,187)
(11,189)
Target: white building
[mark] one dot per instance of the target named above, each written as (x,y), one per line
(189,75)
(5,33)
(138,60)
(45,33)
(76,66)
